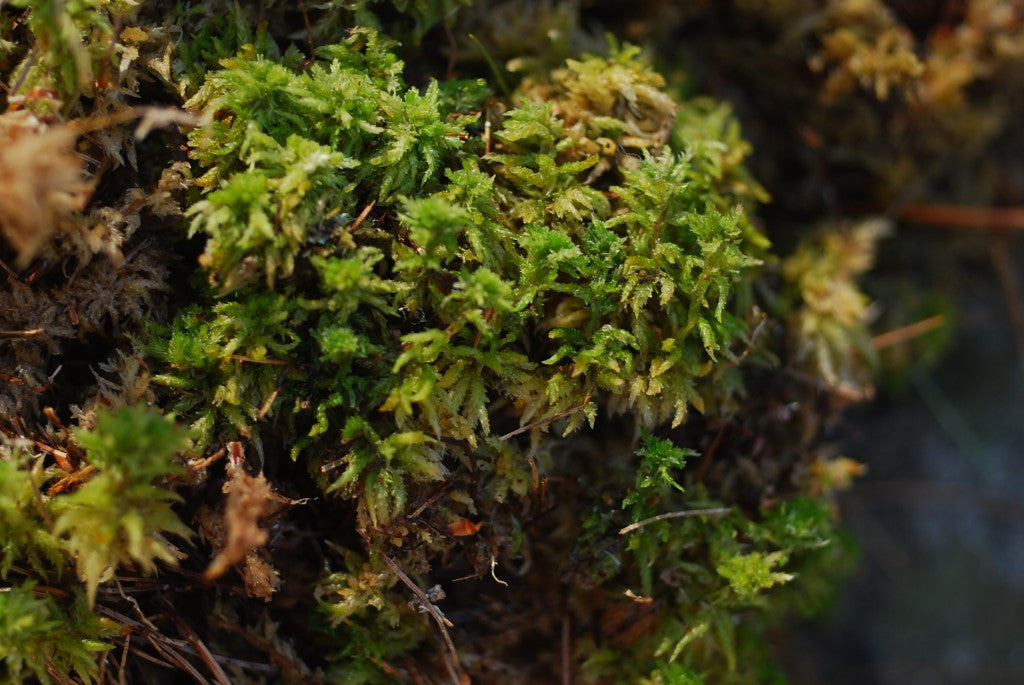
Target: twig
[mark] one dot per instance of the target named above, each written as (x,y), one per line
(333,464)
(10,272)
(193,638)
(65,483)
(541,422)
(203,463)
(51,415)
(169,653)
(140,587)
(971,218)
(445,487)
(55,674)
(25,68)
(268,403)
(124,660)
(908,332)
(534,479)
(60,456)
(434,612)
(362,216)
(150,118)
(149,657)
(720,511)
(151,634)
(25,333)
(101,675)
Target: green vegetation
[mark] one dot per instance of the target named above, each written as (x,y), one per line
(365,370)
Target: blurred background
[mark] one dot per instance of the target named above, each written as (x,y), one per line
(937,595)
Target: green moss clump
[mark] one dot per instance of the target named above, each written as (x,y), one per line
(42,640)
(120,517)
(527,352)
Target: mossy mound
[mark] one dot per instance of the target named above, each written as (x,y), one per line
(314,374)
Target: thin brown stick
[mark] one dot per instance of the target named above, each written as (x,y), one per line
(1007,276)
(55,674)
(450,666)
(541,422)
(203,463)
(51,415)
(333,464)
(153,634)
(25,68)
(150,658)
(689,513)
(267,404)
(24,333)
(124,660)
(101,676)
(10,272)
(278,384)
(970,218)
(54,592)
(362,216)
(169,653)
(434,612)
(908,332)
(60,456)
(204,653)
(138,588)
(445,487)
(65,483)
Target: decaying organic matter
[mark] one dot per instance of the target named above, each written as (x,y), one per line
(353,363)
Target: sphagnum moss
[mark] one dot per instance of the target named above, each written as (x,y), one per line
(532,350)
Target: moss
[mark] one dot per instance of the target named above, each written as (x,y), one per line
(515,350)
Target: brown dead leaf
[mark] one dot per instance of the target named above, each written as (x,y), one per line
(237,534)
(42,181)
(463,527)
(260,577)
